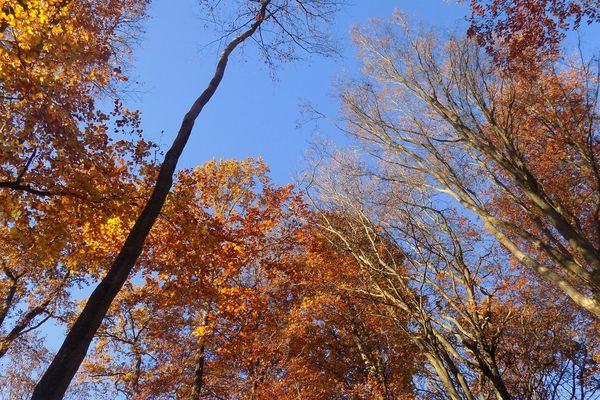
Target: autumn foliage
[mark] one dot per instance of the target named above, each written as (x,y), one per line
(238,316)
(450,251)
(526,32)
(64,180)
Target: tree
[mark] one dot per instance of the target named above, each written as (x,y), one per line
(50,243)
(450,289)
(57,58)
(61,175)
(22,369)
(214,278)
(291,22)
(520,154)
(340,345)
(231,311)
(525,32)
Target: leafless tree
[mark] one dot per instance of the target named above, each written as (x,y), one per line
(448,286)
(520,152)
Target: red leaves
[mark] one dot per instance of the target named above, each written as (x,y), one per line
(519,33)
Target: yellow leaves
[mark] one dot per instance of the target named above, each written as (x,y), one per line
(200,331)
(238,248)
(47,71)
(106,237)
(56,30)
(113,227)
(230,291)
(41,37)
(227,184)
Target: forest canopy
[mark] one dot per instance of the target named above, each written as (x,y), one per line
(447,247)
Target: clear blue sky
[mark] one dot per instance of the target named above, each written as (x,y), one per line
(251,114)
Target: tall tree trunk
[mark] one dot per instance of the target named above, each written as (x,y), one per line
(137,375)
(199,371)
(255,379)
(65,364)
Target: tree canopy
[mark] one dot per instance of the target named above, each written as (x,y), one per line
(449,249)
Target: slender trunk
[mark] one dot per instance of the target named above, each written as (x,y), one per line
(8,300)
(255,379)
(137,375)
(199,371)
(65,364)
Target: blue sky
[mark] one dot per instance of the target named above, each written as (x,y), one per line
(251,114)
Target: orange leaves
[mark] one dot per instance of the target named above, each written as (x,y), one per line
(220,249)
(54,59)
(232,271)
(525,32)
(62,187)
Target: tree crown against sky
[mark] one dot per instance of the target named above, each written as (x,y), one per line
(411,268)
